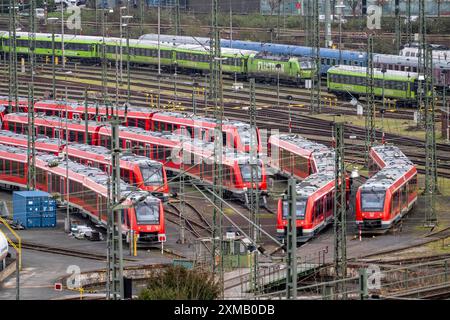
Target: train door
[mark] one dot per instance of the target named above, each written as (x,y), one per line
(49,183)
(404,198)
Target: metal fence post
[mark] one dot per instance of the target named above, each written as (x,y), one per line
(446,270)
(363,291)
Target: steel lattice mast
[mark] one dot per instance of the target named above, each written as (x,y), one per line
(254,232)
(31,150)
(422,64)
(340,213)
(428,98)
(315,105)
(408,23)
(370,99)
(13,89)
(216,95)
(398,27)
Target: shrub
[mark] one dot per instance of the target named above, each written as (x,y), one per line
(179,283)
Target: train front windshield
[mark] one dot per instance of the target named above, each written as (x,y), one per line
(152,176)
(306,65)
(147,213)
(246,171)
(248,136)
(300,209)
(372,201)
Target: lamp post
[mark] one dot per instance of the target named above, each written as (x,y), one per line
(62,36)
(340,8)
(52,21)
(383,109)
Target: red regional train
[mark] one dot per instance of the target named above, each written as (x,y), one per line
(389,193)
(236,134)
(159,146)
(142,213)
(314,164)
(139,171)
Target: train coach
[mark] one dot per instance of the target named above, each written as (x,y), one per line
(293,155)
(313,164)
(88,191)
(328,57)
(237,134)
(160,146)
(191,57)
(391,191)
(351,81)
(139,171)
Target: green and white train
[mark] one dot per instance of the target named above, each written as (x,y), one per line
(401,86)
(243,63)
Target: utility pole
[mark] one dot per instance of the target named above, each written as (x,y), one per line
(114,221)
(430,145)
(31,160)
(308,25)
(422,65)
(370,100)
(291,242)
(340,205)
(177,18)
(181,192)
(86,117)
(278,20)
(12,38)
(216,94)
(315,105)
(328,40)
(408,23)
(104,61)
(31,150)
(254,192)
(398,27)
(142,4)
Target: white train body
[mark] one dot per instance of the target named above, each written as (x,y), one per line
(3,247)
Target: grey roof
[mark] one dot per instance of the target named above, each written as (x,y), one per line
(94,174)
(397,164)
(313,183)
(99,150)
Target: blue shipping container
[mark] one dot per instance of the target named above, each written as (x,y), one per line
(34,209)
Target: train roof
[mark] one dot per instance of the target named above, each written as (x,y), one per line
(407,61)
(377,72)
(273,48)
(396,165)
(313,183)
(94,174)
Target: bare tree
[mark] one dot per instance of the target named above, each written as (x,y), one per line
(274,4)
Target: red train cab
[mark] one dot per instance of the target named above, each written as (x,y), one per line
(390,193)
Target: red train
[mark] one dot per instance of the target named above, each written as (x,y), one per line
(139,171)
(388,194)
(291,154)
(237,134)
(143,213)
(314,164)
(165,147)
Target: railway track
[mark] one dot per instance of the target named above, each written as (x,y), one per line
(272,117)
(68,252)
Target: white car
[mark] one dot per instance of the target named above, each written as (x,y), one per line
(66,3)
